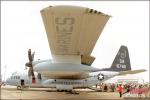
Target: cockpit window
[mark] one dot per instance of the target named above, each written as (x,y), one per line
(15,77)
(14,73)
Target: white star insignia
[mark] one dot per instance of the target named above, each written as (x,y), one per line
(100,76)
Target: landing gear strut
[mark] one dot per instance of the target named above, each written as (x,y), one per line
(18,87)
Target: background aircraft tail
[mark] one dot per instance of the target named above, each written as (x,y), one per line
(122,60)
(122,64)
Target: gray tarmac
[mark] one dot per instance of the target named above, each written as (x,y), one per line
(11,93)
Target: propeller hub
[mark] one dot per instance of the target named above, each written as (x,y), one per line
(28,64)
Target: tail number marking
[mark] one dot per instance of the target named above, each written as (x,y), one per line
(121,66)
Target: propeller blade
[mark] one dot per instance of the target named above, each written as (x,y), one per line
(33,56)
(32,72)
(29,55)
(29,72)
(29,64)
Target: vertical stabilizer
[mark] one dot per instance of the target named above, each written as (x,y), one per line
(122,60)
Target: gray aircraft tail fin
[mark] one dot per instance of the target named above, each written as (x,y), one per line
(122,60)
(122,64)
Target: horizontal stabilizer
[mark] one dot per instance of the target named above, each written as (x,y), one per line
(87,60)
(131,72)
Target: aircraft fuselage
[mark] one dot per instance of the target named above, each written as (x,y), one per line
(61,84)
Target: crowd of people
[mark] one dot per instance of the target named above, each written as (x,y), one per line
(128,89)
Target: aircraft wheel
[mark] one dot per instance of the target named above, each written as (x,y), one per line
(69,90)
(66,90)
(18,87)
(58,90)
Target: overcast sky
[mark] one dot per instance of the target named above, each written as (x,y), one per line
(22,28)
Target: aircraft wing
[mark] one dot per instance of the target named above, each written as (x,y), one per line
(73,31)
(131,72)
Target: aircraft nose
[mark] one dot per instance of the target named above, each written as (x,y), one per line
(7,81)
(47,82)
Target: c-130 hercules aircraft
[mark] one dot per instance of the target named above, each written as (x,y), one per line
(72,33)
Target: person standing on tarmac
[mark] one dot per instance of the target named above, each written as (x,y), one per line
(120,90)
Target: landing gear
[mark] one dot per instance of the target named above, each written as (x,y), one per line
(22,85)
(72,92)
(19,88)
(58,90)
(68,91)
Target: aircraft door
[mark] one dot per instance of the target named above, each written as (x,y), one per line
(22,82)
